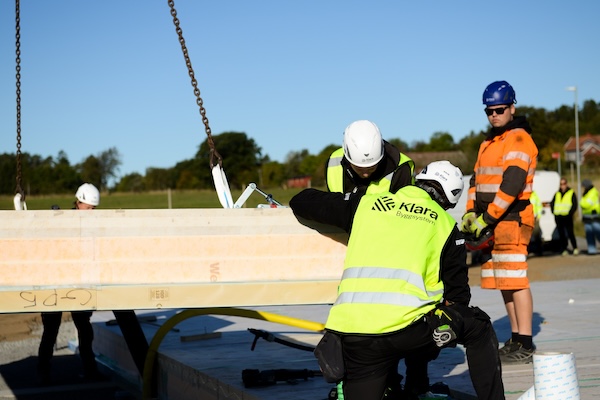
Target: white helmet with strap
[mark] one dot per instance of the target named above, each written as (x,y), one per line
(443,181)
(363,145)
(88,194)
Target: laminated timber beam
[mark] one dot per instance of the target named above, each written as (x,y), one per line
(65,260)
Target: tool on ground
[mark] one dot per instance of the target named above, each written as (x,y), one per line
(269,337)
(257,378)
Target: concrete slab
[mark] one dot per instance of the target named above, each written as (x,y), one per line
(564,321)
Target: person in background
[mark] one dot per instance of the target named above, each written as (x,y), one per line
(87,197)
(405,277)
(498,199)
(564,206)
(536,245)
(590,212)
(366,160)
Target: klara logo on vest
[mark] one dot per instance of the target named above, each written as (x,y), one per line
(413,211)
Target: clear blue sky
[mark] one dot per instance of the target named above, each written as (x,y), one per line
(290,74)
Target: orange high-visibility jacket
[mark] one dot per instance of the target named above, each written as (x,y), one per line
(503,175)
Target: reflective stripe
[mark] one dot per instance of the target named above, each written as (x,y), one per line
(488,187)
(489,171)
(517,155)
(335,171)
(501,203)
(335,162)
(509,258)
(389,298)
(503,273)
(388,273)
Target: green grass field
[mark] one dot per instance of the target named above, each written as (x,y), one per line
(151,200)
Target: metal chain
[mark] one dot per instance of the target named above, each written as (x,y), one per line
(19,188)
(211,144)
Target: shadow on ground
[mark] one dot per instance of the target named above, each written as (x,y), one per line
(22,382)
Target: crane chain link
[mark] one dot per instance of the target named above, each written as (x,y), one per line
(211,144)
(19,188)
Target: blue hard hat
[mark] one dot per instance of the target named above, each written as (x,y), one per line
(499,92)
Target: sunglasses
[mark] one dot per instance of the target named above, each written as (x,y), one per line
(499,110)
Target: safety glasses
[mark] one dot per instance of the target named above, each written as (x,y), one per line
(499,110)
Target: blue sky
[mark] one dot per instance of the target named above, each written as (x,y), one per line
(291,75)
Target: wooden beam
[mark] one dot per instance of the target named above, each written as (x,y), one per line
(146,259)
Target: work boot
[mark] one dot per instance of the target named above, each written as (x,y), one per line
(509,346)
(519,356)
(575,252)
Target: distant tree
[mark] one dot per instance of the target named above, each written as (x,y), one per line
(100,168)
(441,141)
(400,144)
(8,173)
(187,180)
(91,171)
(38,174)
(133,182)
(110,160)
(241,159)
(470,146)
(318,174)
(273,174)
(159,178)
(66,177)
(545,160)
(294,163)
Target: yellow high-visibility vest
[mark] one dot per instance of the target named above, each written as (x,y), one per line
(392,268)
(563,202)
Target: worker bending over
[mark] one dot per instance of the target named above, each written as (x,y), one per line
(405,279)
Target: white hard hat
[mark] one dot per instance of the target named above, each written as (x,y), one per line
(88,194)
(449,177)
(363,145)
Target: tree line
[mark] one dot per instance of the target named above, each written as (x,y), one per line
(244,163)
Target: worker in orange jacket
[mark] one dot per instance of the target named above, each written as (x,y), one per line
(498,199)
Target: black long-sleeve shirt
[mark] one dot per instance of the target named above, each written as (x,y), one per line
(338,209)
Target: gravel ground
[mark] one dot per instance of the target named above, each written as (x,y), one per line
(15,349)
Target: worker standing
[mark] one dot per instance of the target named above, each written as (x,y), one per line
(498,199)
(405,269)
(366,160)
(536,244)
(590,212)
(564,206)
(87,197)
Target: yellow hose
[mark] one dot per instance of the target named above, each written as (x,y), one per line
(237,312)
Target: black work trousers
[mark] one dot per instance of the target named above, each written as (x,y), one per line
(370,360)
(85,333)
(564,226)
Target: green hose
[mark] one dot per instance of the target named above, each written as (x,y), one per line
(236,312)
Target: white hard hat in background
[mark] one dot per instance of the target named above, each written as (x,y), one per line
(88,194)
